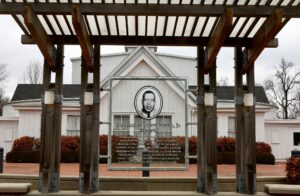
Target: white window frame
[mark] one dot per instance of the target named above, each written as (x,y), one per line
(231,131)
(123,131)
(76,130)
(164,132)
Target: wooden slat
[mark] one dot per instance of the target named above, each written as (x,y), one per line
(266,33)
(149,40)
(217,39)
(83,37)
(40,36)
(20,24)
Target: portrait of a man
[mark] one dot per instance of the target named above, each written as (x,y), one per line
(148,102)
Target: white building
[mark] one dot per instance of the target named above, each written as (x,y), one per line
(23,115)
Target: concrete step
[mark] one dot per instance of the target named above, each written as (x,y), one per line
(139,193)
(14,187)
(283,189)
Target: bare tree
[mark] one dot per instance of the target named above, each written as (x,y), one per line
(33,73)
(3,72)
(223,82)
(282,89)
(3,75)
(3,101)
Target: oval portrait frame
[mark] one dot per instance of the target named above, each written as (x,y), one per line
(137,96)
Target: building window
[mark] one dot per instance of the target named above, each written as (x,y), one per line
(73,127)
(231,127)
(275,137)
(142,127)
(296,138)
(121,125)
(164,126)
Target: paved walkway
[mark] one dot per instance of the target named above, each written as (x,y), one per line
(72,169)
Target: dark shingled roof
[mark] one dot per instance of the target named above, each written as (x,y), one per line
(227,93)
(34,91)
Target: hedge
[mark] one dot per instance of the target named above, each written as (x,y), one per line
(229,158)
(26,149)
(292,170)
(23,157)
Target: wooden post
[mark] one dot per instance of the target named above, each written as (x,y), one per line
(245,127)
(51,127)
(200,119)
(211,135)
(249,139)
(239,121)
(206,129)
(96,120)
(89,127)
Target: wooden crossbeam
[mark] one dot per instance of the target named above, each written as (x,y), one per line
(218,37)
(83,37)
(148,9)
(150,40)
(40,36)
(267,32)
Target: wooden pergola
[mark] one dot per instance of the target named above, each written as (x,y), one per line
(249,26)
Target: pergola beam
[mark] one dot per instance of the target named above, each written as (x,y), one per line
(149,9)
(217,39)
(83,37)
(40,36)
(266,33)
(149,40)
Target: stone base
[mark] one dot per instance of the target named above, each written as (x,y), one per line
(138,193)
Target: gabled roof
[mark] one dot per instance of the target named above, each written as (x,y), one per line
(133,56)
(34,91)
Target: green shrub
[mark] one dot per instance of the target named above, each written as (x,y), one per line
(262,147)
(23,157)
(193,145)
(24,143)
(292,170)
(225,144)
(103,141)
(265,158)
(226,157)
(70,157)
(70,143)
(70,146)
(229,158)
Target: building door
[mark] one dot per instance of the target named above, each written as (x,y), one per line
(6,140)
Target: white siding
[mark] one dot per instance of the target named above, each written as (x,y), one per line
(222,126)
(29,123)
(181,67)
(280,137)
(260,127)
(108,63)
(9,110)
(8,130)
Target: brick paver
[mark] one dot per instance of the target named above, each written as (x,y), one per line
(72,169)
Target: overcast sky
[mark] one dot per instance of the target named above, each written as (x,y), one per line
(17,56)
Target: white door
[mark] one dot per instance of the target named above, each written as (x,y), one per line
(6,140)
